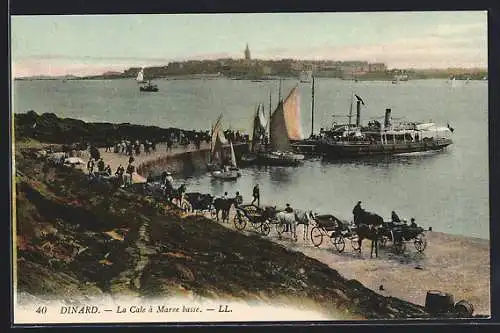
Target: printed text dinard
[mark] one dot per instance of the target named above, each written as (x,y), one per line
(92,309)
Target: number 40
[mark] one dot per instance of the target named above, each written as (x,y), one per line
(41,309)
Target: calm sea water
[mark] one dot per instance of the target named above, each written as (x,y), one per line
(446,190)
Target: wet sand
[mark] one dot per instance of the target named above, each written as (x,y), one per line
(455,264)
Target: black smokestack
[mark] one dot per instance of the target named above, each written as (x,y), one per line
(387,121)
(358,112)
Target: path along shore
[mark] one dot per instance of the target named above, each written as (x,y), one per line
(115,159)
(456,264)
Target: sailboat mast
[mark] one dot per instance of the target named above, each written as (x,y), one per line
(211,142)
(270,111)
(279,92)
(312,109)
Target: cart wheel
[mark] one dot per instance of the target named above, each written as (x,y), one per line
(239,221)
(339,243)
(355,243)
(316,236)
(420,243)
(265,228)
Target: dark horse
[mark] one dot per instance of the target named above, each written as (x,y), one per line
(198,201)
(368,227)
(223,205)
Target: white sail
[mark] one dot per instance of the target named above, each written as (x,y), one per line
(285,122)
(218,141)
(140,76)
(262,117)
(217,131)
(233,156)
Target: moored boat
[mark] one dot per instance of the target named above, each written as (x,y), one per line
(149,87)
(386,139)
(284,127)
(228,172)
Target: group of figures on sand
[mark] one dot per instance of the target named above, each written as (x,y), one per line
(122,176)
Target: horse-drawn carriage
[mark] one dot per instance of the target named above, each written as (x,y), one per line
(336,230)
(370,226)
(259,218)
(401,234)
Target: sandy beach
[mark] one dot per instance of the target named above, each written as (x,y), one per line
(454,264)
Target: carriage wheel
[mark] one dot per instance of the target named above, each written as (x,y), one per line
(420,243)
(239,221)
(316,236)
(265,228)
(355,242)
(339,243)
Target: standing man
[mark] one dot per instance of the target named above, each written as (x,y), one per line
(100,165)
(130,172)
(256,195)
(239,198)
(90,166)
(357,211)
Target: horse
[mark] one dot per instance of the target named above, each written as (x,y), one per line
(223,205)
(288,220)
(369,227)
(199,201)
(305,218)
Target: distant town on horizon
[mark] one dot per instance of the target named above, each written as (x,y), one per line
(249,68)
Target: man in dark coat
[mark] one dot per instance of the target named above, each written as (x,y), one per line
(256,195)
(395,218)
(288,209)
(357,211)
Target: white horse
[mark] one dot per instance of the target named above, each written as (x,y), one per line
(293,219)
(305,218)
(287,219)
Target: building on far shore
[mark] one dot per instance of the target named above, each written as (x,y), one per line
(247,53)
(377,67)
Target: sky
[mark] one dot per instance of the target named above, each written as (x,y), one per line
(93,44)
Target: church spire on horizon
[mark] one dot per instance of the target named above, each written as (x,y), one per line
(247,53)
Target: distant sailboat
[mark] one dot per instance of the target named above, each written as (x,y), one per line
(140,76)
(147,86)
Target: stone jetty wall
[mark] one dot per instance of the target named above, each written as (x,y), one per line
(185,163)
